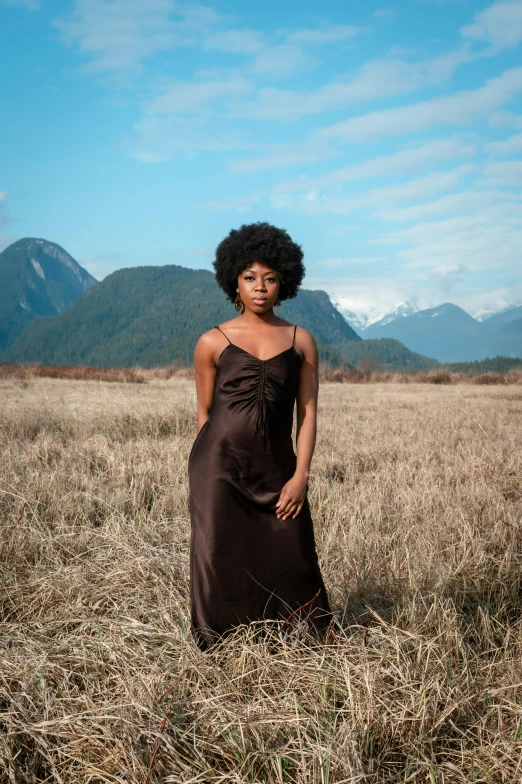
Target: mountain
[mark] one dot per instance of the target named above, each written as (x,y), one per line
(152,316)
(495,321)
(402,310)
(358,315)
(509,313)
(446,332)
(386,354)
(38,278)
(450,334)
(508,340)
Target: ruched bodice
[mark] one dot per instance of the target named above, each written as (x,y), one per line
(246,564)
(265,388)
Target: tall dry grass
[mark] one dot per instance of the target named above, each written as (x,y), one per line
(417,500)
(434,376)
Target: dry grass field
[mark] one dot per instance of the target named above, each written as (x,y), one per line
(416,494)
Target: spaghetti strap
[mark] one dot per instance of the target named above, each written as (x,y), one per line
(216,327)
(293,341)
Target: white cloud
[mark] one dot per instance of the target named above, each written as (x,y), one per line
(414,190)
(177,121)
(278,60)
(390,195)
(283,60)
(314,199)
(506,147)
(499,25)
(191,97)
(385,13)
(323,36)
(386,290)
(247,42)
(448,275)
(505,120)
(459,109)
(378,78)
(159,139)
(465,202)
(402,162)
(280,155)
(433,257)
(478,299)
(118,35)
(506,173)
(489,238)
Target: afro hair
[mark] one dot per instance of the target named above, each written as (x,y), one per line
(266,244)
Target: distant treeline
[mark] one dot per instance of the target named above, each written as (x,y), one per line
(495,365)
(366,363)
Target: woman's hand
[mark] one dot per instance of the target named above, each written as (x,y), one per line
(292,496)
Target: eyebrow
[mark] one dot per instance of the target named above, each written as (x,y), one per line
(266,273)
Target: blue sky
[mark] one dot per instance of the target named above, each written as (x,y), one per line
(387,139)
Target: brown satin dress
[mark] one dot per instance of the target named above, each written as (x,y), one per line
(245,563)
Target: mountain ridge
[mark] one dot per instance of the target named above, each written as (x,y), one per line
(152,316)
(39,278)
(451,334)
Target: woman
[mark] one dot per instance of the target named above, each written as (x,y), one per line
(252,549)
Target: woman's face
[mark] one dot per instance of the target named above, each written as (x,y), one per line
(258,286)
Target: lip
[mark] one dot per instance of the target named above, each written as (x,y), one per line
(260,300)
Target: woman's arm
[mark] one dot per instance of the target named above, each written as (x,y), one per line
(205,372)
(293,493)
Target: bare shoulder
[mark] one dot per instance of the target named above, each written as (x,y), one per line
(209,338)
(207,344)
(304,342)
(304,339)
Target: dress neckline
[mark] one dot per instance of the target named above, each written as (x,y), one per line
(263,361)
(290,348)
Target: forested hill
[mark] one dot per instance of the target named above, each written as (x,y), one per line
(38,278)
(152,316)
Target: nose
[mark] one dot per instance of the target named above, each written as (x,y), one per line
(260,285)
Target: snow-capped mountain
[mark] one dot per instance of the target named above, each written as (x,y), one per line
(499,317)
(402,310)
(359,315)
(485,313)
(450,334)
